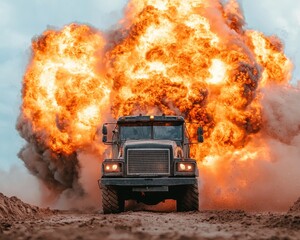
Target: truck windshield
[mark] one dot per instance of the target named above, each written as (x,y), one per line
(160,132)
(167,132)
(135,132)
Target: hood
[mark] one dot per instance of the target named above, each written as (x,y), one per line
(149,141)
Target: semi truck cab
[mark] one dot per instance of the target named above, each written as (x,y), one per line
(150,163)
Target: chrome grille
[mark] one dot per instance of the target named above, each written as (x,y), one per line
(148,161)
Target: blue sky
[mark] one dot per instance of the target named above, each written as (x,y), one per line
(21,20)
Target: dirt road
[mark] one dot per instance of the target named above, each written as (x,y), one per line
(19,220)
(154,225)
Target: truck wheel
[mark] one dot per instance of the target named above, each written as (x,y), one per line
(188,199)
(112,202)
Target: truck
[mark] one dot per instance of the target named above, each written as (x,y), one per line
(150,162)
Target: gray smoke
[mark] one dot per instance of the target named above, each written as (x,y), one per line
(58,172)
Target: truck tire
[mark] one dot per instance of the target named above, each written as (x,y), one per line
(112,202)
(188,200)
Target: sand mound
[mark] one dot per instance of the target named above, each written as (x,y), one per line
(14,208)
(295,209)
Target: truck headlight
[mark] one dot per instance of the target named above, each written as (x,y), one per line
(112,167)
(185,167)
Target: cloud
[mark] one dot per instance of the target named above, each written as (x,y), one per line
(13,39)
(5,13)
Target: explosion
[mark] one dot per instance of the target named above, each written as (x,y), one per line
(189,58)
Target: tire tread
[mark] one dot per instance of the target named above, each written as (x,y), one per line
(189,199)
(111,201)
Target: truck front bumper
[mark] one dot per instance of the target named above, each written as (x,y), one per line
(146,181)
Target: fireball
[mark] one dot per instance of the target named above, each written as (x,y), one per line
(189,58)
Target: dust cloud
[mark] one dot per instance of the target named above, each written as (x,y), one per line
(270,179)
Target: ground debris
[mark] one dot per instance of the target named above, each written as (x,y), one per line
(23,221)
(289,221)
(14,208)
(225,216)
(295,209)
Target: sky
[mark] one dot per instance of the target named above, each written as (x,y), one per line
(22,20)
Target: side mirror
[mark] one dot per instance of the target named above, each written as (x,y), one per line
(104,130)
(200,139)
(200,135)
(200,131)
(104,138)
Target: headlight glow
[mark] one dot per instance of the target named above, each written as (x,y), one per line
(185,167)
(181,166)
(112,167)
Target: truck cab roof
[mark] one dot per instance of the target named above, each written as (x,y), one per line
(152,118)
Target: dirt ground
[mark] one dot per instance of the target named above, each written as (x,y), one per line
(22,221)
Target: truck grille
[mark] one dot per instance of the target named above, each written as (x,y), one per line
(148,161)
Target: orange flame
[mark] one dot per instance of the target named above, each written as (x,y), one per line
(190,58)
(64,94)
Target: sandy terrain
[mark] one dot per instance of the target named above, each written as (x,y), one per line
(22,221)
